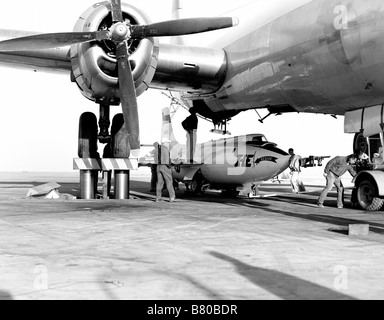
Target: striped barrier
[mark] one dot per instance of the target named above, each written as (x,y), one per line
(106,164)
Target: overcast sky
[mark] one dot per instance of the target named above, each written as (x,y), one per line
(40,112)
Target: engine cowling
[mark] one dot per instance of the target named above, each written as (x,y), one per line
(94,65)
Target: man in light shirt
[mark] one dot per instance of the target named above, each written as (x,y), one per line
(295,167)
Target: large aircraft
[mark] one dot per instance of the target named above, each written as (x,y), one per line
(313,56)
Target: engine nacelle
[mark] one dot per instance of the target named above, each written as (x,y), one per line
(94,65)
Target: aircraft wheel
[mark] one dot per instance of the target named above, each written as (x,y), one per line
(367,196)
(197,183)
(88,131)
(360,143)
(354,200)
(120,138)
(230,192)
(253,193)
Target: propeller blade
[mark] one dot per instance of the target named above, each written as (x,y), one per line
(52,40)
(117,13)
(128,96)
(183,27)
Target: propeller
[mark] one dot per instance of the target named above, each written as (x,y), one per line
(183,27)
(121,33)
(51,41)
(128,96)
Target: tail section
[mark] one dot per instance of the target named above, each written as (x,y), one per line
(167,129)
(168,135)
(177,9)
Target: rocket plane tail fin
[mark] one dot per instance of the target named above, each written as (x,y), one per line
(177,13)
(168,135)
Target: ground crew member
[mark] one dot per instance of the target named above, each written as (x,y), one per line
(164,171)
(154,169)
(190,125)
(295,167)
(153,177)
(333,172)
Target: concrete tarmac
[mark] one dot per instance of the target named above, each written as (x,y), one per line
(209,247)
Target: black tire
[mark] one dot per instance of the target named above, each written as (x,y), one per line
(367,196)
(232,193)
(120,138)
(197,183)
(360,143)
(354,200)
(88,131)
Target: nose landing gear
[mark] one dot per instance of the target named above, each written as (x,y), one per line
(104,124)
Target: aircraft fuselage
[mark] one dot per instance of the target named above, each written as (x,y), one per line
(321,56)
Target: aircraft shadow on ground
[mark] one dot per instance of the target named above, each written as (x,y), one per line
(216,197)
(282,285)
(308,200)
(324,218)
(209,196)
(342,222)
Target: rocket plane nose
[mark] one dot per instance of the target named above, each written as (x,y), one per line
(283,163)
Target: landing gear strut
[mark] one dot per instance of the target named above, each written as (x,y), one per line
(221,127)
(104,124)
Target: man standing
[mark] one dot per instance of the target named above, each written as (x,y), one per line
(164,171)
(295,167)
(154,167)
(190,125)
(333,172)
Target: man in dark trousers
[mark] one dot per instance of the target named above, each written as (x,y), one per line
(154,168)
(190,125)
(333,172)
(153,177)
(164,171)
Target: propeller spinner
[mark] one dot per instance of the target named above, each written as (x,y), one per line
(121,33)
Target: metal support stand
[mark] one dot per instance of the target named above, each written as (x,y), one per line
(89,171)
(88,181)
(122,186)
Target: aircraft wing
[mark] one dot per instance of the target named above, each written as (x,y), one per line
(57,60)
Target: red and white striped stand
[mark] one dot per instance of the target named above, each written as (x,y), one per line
(89,169)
